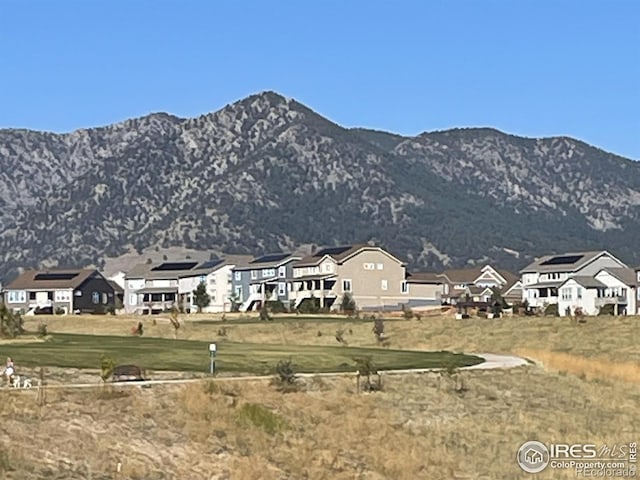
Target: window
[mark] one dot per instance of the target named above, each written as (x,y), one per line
(95,297)
(346,286)
(17,296)
(238,276)
(579,292)
(254,274)
(77,293)
(369,266)
(62,296)
(282,271)
(238,292)
(328,267)
(212,281)
(380,266)
(133,299)
(384,285)
(404,287)
(268,272)
(203,278)
(282,289)
(105,298)
(566,294)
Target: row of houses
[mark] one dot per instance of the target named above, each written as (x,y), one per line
(374,277)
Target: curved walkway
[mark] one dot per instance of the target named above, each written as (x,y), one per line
(491,361)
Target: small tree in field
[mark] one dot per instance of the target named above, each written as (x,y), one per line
(378,328)
(236,301)
(348,304)
(175,322)
(200,297)
(11,324)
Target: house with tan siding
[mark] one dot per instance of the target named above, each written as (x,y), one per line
(373,277)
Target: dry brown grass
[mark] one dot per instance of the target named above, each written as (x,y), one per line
(590,368)
(414,429)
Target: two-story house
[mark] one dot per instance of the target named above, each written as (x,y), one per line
(423,289)
(478,284)
(73,291)
(153,287)
(216,274)
(543,277)
(614,288)
(373,277)
(264,279)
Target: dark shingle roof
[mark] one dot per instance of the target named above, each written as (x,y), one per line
(51,279)
(566,262)
(424,277)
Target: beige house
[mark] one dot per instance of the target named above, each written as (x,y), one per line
(423,289)
(372,276)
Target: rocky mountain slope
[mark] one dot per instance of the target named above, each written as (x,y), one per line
(267,173)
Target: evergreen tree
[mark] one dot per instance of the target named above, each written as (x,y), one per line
(200,297)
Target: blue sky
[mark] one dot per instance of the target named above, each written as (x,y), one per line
(528,67)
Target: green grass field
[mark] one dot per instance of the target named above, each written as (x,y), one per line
(85,351)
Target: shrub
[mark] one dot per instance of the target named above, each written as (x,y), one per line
(260,416)
(286,379)
(348,304)
(366,369)
(106,367)
(60,311)
(378,328)
(264,314)
(407,313)
(340,337)
(276,306)
(551,310)
(42,330)
(608,309)
(11,324)
(309,305)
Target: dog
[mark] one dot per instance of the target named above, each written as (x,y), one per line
(19,382)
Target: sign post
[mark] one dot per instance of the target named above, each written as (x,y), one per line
(212,356)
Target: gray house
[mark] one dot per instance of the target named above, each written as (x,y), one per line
(77,290)
(264,279)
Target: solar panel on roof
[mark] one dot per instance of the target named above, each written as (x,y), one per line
(276,257)
(563,260)
(210,264)
(174,266)
(55,276)
(332,251)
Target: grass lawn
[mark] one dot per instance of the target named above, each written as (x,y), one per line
(85,351)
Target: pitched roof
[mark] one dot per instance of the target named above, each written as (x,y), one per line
(339,254)
(625,275)
(586,281)
(205,268)
(271,260)
(566,262)
(424,277)
(462,275)
(117,289)
(51,279)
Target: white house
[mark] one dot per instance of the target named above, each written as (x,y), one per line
(542,278)
(216,275)
(610,286)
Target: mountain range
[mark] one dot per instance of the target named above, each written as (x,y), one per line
(267,173)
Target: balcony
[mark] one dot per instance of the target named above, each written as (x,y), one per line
(613,300)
